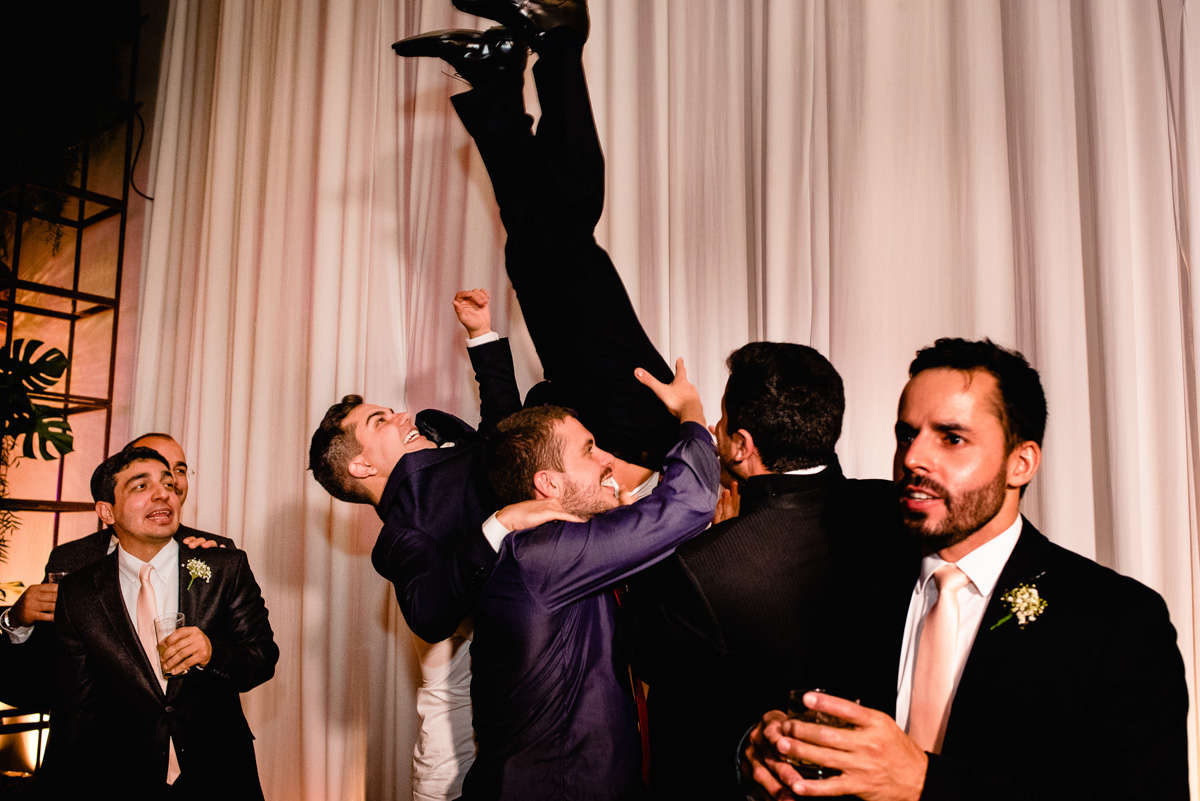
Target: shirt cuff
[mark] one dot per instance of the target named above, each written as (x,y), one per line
(19,634)
(482,339)
(494,532)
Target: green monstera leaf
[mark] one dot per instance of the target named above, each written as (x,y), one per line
(22,371)
(50,428)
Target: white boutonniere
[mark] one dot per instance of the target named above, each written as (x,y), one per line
(1024,603)
(198,570)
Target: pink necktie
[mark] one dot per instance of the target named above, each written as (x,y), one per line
(147,609)
(933,678)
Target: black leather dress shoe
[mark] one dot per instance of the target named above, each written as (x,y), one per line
(481,57)
(535,19)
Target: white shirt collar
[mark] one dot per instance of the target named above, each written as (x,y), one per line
(982,565)
(806,471)
(166,559)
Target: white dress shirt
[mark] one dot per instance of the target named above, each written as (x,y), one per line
(445,746)
(982,566)
(164,578)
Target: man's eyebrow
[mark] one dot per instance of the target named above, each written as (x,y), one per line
(950,428)
(377,413)
(588,445)
(136,477)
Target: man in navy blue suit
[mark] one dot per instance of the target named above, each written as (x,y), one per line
(424,475)
(554,715)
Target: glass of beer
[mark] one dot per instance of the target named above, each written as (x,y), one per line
(164,627)
(796,710)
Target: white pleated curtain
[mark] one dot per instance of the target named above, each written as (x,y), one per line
(859,176)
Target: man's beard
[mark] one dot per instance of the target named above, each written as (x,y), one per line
(587,502)
(966,512)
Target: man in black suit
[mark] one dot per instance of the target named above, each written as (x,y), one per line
(123,727)
(27,638)
(730,617)
(1024,670)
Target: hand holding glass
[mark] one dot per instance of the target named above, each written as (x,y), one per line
(797,710)
(164,627)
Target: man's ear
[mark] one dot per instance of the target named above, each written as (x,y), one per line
(743,445)
(105,511)
(360,468)
(1023,463)
(546,484)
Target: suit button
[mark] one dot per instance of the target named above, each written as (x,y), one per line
(170,710)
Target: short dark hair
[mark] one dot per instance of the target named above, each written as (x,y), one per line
(790,398)
(1022,402)
(333,446)
(104,477)
(522,444)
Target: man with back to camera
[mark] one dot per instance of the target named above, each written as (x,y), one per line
(726,624)
(124,726)
(1014,668)
(554,715)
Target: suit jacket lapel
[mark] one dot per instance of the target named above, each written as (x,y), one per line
(192,603)
(995,647)
(124,630)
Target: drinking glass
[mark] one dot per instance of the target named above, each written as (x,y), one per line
(163,628)
(798,711)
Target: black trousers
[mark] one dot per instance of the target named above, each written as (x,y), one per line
(550,189)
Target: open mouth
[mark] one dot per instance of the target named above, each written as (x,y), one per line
(916,498)
(412,436)
(611,483)
(160,516)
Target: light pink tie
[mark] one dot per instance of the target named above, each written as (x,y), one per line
(934,675)
(147,609)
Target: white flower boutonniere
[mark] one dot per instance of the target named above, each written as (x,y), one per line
(1024,603)
(198,570)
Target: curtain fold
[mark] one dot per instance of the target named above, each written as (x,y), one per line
(859,176)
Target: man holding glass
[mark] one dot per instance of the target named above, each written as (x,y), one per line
(166,711)
(28,671)
(990,663)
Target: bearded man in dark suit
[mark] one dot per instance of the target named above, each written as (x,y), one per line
(1023,670)
(730,617)
(145,717)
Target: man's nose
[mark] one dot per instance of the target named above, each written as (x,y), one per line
(916,454)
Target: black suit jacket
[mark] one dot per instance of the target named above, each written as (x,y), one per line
(27,678)
(431,546)
(725,627)
(110,708)
(1088,701)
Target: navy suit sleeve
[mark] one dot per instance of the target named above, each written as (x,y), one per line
(563,562)
(498,393)
(244,653)
(436,586)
